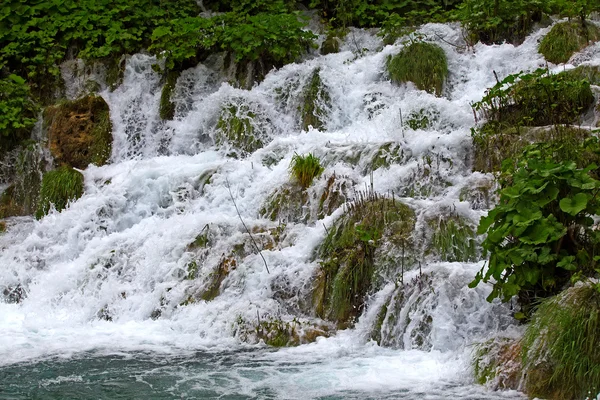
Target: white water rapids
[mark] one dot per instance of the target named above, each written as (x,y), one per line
(121,249)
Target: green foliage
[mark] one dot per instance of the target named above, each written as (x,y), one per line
(573,8)
(167,107)
(496,21)
(348,253)
(535,99)
(279,38)
(422,63)
(561,345)
(305,169)
(17,111)
(586,72)
(567,38)
(315,102)
(541,234)
(59,187)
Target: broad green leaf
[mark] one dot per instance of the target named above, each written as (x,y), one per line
(575,204)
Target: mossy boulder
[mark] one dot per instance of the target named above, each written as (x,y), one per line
(315,103)
(80,132)
(452,239)
(239,128)
(167,107)
(331,44)
(561,346)
(25,166)
(286,204)
(59,187)
(277,332)
(492,147)
(347,255)
(422,63)
(591,73)
(497,363)
(566,39)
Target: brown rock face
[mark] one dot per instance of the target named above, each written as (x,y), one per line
(80,132)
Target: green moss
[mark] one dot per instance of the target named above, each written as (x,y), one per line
(331,43)
(167,107)
(276,332)
(2,226)
(217,277)
(453,239)
(315,103)
(567,38)
(497,363)
(348,253)
(422,63)
(235,127)
(586,72)
(59,187)
(305,169)
(286,204)
(561,346)
(492,146)
(115,72)
(422,119)
(80,131)
(376,331)
(386,155)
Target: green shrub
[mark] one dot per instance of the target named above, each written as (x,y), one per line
(59,187)
(567,38)
(536,99)
(561,346)
(305,169)
(494,21)
(424,64)
(17,111)
(586,72)
(541,234)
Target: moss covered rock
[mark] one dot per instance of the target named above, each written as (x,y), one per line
(424,64)
(23,173)
(238,127)
(566,39)
(315,103)
(347,255)
(80,132)
(492,148)
(167,107)
(59,187)
(497,363)
(561,346)
(452,239)
(331,44)
(276,332)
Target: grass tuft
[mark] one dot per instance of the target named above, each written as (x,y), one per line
(424,64)
(561,346)
(59,187)
(567,38)
(305,169)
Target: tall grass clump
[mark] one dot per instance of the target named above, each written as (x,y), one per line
(567,38)
(424,64)
(561,346)
(59,187)
(305,169)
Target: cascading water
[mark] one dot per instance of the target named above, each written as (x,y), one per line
(106,296)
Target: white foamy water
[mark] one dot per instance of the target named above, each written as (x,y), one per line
(95,274)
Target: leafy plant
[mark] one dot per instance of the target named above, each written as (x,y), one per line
(17,111)
(422,63)
(59,187)
(541,234)
(305,169)
(567,38)
(495,21)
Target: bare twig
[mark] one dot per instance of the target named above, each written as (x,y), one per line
(245,227)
